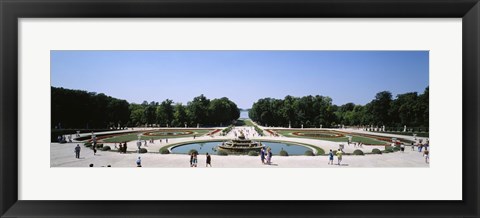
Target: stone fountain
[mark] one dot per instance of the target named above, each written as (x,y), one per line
(241,144)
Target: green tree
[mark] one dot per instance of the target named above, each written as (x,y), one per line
(380,108)
(137,115)
(198,110)
(165,113)
(180,115)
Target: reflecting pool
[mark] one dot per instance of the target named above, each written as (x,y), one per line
(210,147)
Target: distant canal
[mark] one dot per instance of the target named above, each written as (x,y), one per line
(244,115)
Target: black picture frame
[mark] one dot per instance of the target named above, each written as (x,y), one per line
(12,10)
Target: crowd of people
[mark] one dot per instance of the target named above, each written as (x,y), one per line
(194,159)
(122,147)
(266,156)
(339,155)
(63,139)
(425,147)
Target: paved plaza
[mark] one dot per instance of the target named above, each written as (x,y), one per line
(62,155)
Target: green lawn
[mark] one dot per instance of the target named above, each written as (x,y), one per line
(364,140)
(133,136)
(361,139)
(249,122)
(419,134)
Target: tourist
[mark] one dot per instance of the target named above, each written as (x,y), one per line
(262,155)
(194,136)
(269,156)
(191,159)
(339,156)
(426,154)
(139,145)
(420,147)
(209,160)
(194,160)
(94,147)
(77,151)
(120,147)
(139,162)
(125,147)
(166,140)
(413,146)
(330,157)
(402,147)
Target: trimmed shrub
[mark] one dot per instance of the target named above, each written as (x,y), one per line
(358,152)
(88,144)
(283,153)
(227,130)
(320,151)
(193,151)
(164,151)
(259,131)
(106,148)
(253,153)
(222,153)
(309,153)
(143,150)
(396,148)
(376,151)
(99,145)
(389,149)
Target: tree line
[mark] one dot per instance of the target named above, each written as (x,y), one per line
(80,109)
(410,109)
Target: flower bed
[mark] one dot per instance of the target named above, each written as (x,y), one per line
(167,133)
(272,132)
(318,134)
(213,132)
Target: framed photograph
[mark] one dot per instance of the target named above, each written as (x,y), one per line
(225,108)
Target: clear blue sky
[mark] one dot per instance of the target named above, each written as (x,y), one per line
(242,76)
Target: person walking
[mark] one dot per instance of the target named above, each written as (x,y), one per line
(269,156)
(339,156)
(94,147)
(77,151)
(330,157)
(209,160)
(139,162)
(191,159)
(195,160)
(262,155)
(426,153)
(402,148)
